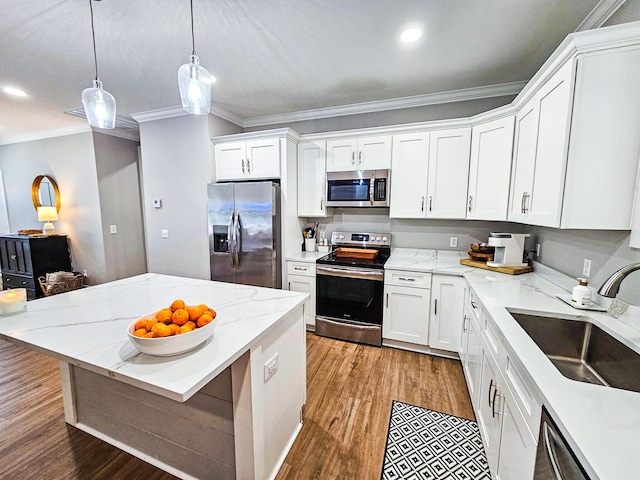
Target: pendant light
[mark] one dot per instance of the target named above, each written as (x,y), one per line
(99,105)
(194,82)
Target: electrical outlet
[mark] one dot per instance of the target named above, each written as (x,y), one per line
(164,233)
(586,267)
(113,229)
(270,368)
(538,249)
(84,272)
(453,242)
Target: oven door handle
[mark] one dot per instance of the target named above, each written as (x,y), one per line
(360,273)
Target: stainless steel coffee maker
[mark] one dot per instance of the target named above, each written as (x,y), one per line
(509,249)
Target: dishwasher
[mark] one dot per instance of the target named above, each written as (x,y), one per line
(554,458)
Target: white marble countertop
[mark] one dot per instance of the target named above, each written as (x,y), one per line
(88,327)
(307,257)
(601,424)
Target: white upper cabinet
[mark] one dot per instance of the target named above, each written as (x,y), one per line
(366,153)
(542,134)
(448,173)
(247,159)
(312,179)
(490,169)
(576,144)
(409,171)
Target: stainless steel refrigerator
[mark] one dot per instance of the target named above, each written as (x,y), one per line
(244,233)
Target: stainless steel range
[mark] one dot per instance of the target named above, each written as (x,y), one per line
(350,287)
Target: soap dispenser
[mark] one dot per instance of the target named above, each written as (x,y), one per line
(581,294)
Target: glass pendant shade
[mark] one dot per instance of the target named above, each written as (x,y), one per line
(195,87)
(99,106)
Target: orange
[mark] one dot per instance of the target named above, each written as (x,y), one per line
(177,304)
(161,330)
(184,329)
(140,332)
(164,315)
(213,312)
(195,312)
(148,335)
(204,319)
(191,324)
(150,323)
(140,324)
(180,316)
(174,328)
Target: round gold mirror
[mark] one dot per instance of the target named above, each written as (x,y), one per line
(45,193)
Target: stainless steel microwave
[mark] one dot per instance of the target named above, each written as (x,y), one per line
(361,188)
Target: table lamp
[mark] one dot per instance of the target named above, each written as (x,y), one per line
(47,214)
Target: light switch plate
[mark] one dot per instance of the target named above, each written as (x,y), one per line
(113,229)
(271,367)
(164,233)
(453,242)
(157,203)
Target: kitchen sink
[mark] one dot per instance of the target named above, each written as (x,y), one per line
(582,351)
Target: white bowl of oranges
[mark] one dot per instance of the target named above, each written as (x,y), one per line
(173,330)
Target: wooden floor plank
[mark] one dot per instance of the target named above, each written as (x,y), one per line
(349,394)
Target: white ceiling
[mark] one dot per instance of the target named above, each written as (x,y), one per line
(271,57)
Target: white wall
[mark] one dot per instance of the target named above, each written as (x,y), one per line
(120,205)
(176,167)
(70,160)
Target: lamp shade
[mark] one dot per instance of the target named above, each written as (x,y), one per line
(47,214)
(99,106)
(194,82)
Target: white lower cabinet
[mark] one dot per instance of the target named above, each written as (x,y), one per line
(445,321)
(506,409)
(301,277)
(406,307)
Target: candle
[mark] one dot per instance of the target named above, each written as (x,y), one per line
(13,301)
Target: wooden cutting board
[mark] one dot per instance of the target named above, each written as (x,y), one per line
(509,270)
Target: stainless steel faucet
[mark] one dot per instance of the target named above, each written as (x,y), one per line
(611,286)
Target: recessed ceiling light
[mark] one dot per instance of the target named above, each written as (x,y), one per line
(14,91)
(411,35)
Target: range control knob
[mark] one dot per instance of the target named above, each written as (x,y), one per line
(384,239)
(341,237)
(377,239)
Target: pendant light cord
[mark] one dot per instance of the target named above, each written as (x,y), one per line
(93,34)
(193,39)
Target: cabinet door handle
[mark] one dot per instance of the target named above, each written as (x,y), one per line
(289,285)
(321,202)
(435,308)
(248,167)
(360,158)
(387,300)
(470,200)
(353,158)
(473,304)
(243,166)
(489,398)
(430,199)
(464,324)
(422,205)
(493,406)
(526,202)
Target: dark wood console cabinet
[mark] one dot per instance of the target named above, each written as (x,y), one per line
(24,258)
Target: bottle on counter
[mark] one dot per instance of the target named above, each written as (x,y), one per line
(581,293)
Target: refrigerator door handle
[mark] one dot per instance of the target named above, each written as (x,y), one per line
(230,240)
(237,239)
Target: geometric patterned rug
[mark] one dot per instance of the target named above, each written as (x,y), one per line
(423,444)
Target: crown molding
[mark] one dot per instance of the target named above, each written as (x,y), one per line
(228,116)
(29,137)
(450,96)
(158,114)
(602,12)
(276,132)
(128,134)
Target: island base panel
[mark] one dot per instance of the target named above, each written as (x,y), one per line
(194,438)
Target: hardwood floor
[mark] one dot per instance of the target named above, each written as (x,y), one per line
(350,388)
(349,394)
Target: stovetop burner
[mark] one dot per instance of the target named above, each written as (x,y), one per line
(370,241)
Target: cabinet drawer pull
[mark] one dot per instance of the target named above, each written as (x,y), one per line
(300,268)
(404,279)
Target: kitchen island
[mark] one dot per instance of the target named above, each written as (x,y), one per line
(208,413)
